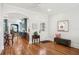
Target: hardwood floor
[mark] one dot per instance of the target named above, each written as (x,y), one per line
(21,47)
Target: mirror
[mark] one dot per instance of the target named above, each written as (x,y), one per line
(15,28)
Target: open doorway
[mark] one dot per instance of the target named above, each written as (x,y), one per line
(23,29)
(15,27)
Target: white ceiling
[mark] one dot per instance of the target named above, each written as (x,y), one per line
(43,7)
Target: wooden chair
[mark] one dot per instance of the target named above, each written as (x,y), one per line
(6,39)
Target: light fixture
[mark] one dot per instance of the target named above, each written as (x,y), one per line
(49,10)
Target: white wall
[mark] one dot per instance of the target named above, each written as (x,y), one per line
(73,16)
(33,17)
(1,31)
(1,36)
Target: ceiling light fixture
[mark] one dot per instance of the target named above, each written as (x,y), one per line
(49,10)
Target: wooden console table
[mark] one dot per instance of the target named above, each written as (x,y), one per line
(35,38)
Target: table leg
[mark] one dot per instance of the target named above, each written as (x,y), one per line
(32,41)
(39,40)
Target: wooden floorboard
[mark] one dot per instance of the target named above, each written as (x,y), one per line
(22,47)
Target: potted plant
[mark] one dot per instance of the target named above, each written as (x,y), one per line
(35,33)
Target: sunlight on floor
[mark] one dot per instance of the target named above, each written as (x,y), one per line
(42,51)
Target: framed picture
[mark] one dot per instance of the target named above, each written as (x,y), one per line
(63,25)
(34,26)
(42,26)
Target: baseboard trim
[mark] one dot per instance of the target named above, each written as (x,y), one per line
(45,41)
(75,45)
